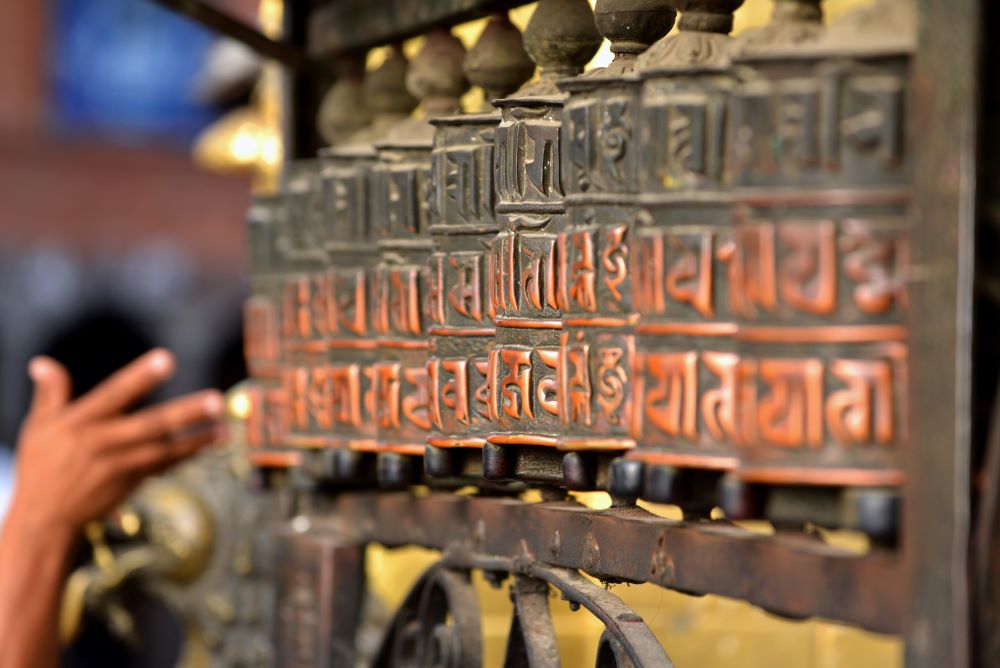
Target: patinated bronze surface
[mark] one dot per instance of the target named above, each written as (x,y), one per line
(403,191)
(686,362)
(821,246)
(684,278)
(192,540)
(267,428)
(462,324)
(600,160)
(463,225)
(523,278)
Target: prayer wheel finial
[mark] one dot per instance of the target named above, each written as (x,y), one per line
(343,111)
(436,76)
(385,89)
(702,41)
(498,62)
(632,26)
(561,38)
(792,22)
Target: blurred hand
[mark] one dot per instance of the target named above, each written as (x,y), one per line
(78,460)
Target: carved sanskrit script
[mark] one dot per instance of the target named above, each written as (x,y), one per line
(701,265)
(459,393)
(522,382)
(527,167)
(798,403)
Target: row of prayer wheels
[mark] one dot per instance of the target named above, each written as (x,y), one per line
(680,277)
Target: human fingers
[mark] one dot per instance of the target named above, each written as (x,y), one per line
(52,387)
(164,420)
(140,460)
(121,473)
(196,443)
(125,386)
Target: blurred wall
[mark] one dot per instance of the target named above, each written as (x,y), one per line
(111,240)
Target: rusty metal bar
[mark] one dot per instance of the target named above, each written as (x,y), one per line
(944,107)
(320,588)
(622,626)
(223,23)
(532,638)
(793,576)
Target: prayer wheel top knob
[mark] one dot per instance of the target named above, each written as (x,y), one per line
(561,38)
(385,87)
(436,76)
(702,41)
(342,111)
(386,97)
(632,26)
(707,15)
(498,63)
(885,26)
(793,22)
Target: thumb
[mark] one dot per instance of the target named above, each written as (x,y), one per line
(52,386)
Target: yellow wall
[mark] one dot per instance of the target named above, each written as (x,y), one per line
(706,632)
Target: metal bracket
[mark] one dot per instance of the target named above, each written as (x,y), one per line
(223,23)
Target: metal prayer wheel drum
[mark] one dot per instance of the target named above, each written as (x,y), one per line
(820,262)
(463,225)
(400,397)
(525,288)
(685,364)
(342,387)
(401,178)
(460,314)
(523,362)
(600,174)
(305,309)
(262,339)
